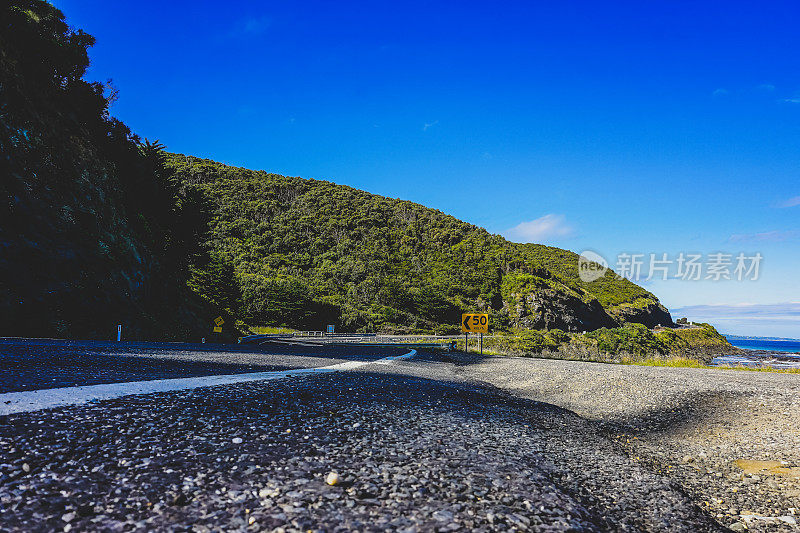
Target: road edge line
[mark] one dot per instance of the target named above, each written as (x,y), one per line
(38,400)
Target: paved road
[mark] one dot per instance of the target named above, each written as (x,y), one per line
(33,364)
(416,445)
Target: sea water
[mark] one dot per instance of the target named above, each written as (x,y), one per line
(783,345)
(783,353)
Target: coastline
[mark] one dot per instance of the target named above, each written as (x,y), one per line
(757,352)
(765,343)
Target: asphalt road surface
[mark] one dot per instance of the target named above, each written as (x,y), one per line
(32,364)
(416,446)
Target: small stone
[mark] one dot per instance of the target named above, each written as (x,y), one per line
(251,520)
(332,479)
(788,520)
(738,527)
(26,467)
(267,493)
(688,459)
(443,516)
(237,440)
(68,517)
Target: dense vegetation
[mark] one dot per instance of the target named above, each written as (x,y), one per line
(628,343)
(304,253)
(94,229)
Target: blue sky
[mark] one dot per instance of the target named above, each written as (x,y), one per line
(618,127)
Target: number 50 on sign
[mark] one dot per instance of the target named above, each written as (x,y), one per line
(475,323)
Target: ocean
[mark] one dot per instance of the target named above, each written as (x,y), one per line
(784,353)
(788,345)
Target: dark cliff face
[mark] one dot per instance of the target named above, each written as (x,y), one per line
(547,301)
(551,309)
(651,314)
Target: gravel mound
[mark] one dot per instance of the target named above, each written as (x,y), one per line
(730,438)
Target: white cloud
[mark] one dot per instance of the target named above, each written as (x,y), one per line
(542,229)
(719,92)
(429,125)
(787,310)
(792,100)
(767,236)
(773,320)
(766,87)
(251,26)
(791,202)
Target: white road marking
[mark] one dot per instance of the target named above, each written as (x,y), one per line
(22,402)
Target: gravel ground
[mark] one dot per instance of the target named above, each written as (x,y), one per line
(730,438)
(411,453)
(32,364)
(441,441)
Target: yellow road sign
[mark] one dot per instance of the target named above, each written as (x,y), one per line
(217,329)
(219,321)
(475,323)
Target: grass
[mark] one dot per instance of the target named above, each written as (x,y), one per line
(674,361)
(760,369)
(686,362)
(266,330)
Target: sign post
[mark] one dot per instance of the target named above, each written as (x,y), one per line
(218,324)
(474,323)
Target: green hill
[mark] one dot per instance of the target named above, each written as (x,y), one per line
(304,253)
(98,227)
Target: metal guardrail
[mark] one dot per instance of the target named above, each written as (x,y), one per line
(354,337)
(362,339)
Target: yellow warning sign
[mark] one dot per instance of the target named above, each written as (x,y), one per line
(217,329)
(219,321)
(475,323)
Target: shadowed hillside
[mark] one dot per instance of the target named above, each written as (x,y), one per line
(94,230)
